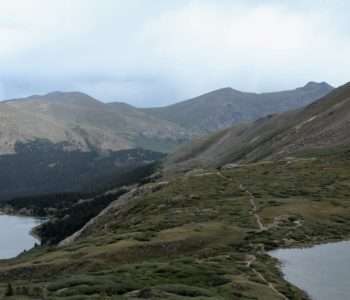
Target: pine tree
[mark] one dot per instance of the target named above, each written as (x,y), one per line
(9,290)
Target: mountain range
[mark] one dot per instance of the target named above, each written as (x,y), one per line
(84,123)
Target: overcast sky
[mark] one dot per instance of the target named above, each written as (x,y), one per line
(156,52)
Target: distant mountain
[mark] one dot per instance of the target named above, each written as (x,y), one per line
(223,108)
(320,127)
(83,123)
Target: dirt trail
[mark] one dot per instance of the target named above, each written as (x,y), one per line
(269,284)
(262,227)
(254,210)
(251,259)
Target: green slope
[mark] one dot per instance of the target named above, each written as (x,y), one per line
(196,236)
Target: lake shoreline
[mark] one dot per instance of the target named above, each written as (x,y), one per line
(297,245)
(317,264)
(22,237)
(302,246)
(10,211)
(14,213)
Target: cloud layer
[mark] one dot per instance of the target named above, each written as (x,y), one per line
(156,52)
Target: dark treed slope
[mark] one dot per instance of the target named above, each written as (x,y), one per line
(322,125)
(42,167)
(223,108)
(68,212)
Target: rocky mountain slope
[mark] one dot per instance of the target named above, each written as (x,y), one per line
(321,126)
(83,123)
(225,107)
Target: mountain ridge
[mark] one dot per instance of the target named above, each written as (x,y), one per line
(224,107)
(319,126)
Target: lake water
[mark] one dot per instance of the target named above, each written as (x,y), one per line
(322,271)
(15,235)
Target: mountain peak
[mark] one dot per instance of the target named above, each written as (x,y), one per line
(60,93)
(74,97)
(57,97)
(314,84)
(223,91)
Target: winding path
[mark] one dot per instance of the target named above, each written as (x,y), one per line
(254,211)
(262,227)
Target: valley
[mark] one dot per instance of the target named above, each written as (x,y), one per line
(174,150)
(199,223)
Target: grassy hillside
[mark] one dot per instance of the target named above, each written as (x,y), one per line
(199,236)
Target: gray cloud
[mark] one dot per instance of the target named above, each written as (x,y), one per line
(157,52)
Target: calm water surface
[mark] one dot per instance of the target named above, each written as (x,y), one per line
(15,235)
(322,271)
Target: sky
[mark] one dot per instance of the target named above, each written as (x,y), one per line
(157,52)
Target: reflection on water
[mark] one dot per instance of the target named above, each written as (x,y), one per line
(15,235)
(322,271)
